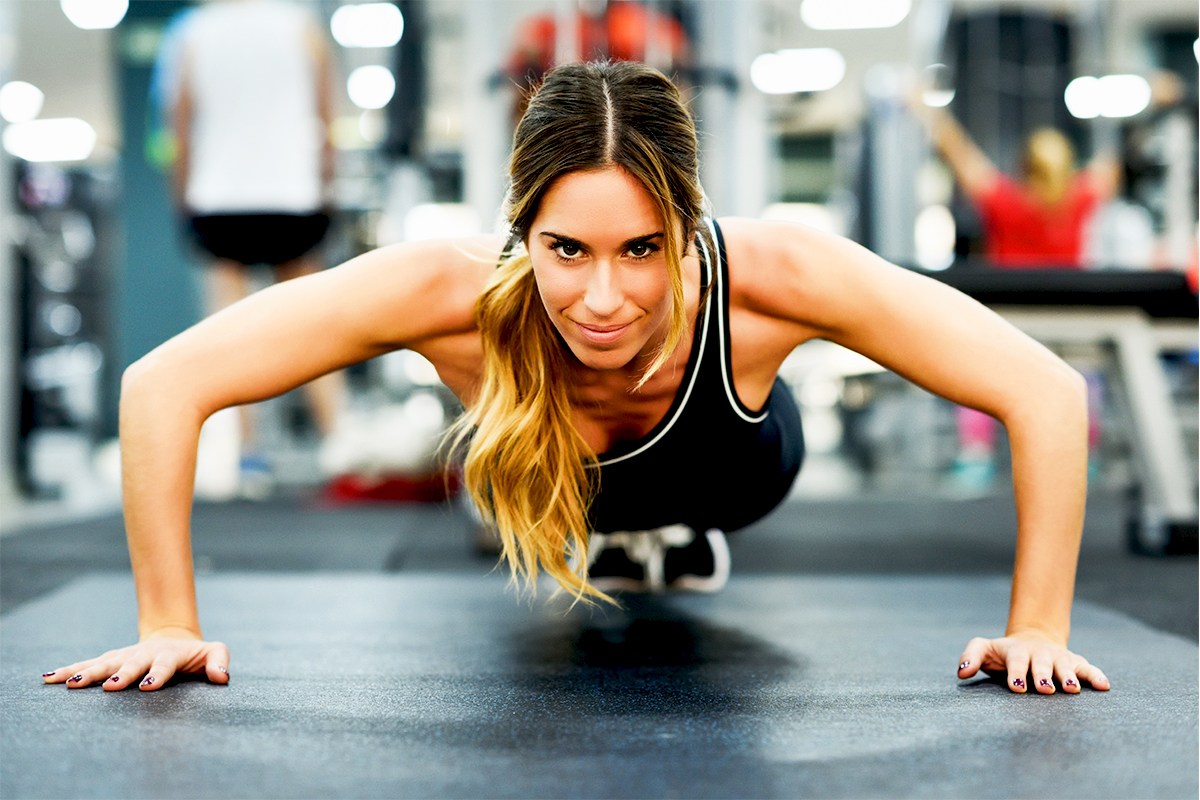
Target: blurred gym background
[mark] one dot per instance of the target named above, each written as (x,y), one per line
(805,113)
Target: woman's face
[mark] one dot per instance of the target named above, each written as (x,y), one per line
(597,246)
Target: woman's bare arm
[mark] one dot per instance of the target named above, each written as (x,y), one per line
(827,287)
(419,296)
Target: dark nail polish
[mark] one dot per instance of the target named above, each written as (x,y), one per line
(1043,682)
(75,678)
(114,679)
(149,681)
(1018,682)
(1070,681)
(964,665)
(47,674)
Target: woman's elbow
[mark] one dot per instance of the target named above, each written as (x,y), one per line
(1062,395)
(152,384)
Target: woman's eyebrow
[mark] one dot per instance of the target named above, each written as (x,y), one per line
(642,239)
(562,237)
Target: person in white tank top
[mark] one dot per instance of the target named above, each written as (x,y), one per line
(251,113)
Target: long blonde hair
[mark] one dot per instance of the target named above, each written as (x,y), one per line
(526,467)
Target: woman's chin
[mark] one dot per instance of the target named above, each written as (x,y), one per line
(601,359)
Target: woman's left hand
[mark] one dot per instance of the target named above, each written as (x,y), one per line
(1030,660)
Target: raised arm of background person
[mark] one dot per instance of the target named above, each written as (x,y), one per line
(973,170)
(790,284)
(419,296)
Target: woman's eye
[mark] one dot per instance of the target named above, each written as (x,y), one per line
(642,250)
(566,249)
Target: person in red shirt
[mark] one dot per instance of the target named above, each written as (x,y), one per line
(1036,219)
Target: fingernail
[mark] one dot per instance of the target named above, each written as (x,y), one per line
(1070,682)
(47,674)
(75,678)
(222,670)
(1018,682)
(114,679)
(964,665)
(1043,682)
(148,681)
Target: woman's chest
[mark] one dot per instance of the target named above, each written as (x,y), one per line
(609,416)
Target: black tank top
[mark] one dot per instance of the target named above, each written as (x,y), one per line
(710,462)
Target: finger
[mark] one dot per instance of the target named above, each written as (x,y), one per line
(86,676)
(1093,676)
(1066,676)
(1042,672)
(972,657)
(216,667)
(59,675)
(63,674)
(159,673)
(125,676)
(1017,666)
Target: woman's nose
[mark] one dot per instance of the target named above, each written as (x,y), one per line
(603,295)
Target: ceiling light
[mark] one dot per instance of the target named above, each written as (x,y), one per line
(20,101)
(832,15)
(94,15)
(371,87)
(66,139)
(1123,95)
(1082,97)
(791,71)
(367,25)
(1113,96)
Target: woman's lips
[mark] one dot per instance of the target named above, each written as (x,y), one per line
(601,334)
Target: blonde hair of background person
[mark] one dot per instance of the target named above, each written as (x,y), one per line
(605,199)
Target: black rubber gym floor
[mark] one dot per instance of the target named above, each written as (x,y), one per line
(374,655)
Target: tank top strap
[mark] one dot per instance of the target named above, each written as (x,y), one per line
(723,360)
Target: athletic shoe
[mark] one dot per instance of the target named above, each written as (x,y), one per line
(700,566)
(668,558)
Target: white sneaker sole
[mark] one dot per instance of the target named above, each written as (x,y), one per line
(721,568)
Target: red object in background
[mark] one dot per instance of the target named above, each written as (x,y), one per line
(348,489)
(626,31)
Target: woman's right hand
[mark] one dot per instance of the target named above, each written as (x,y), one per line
(149,664)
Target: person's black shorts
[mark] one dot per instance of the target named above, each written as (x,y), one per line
(259,238)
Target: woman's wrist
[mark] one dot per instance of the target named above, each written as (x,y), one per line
(169,631)
(1043,632)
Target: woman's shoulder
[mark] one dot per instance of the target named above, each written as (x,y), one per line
(422,288)
(760,253)
(774,271)
(797,273)
(453,266)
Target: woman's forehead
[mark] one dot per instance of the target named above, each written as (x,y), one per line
(608,201)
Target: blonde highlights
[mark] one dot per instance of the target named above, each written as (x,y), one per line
(526,467)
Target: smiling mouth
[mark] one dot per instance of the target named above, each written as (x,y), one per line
(602,334)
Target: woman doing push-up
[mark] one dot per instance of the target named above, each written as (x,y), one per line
(619,371)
